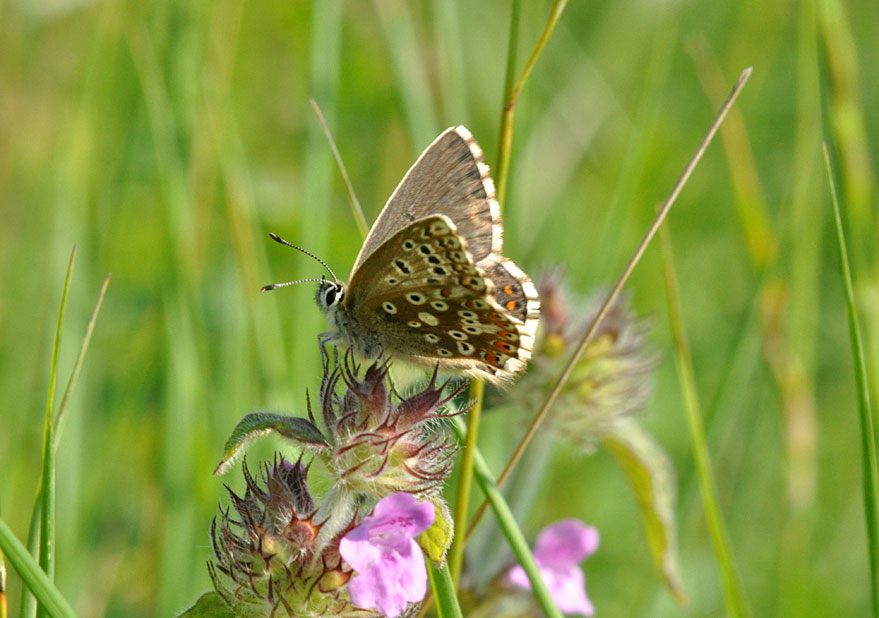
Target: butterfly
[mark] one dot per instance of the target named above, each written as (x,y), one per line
(430,285)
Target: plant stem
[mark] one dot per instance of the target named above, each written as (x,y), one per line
(870,467)
(443,591)
(733,597)
(465,481)
(511,531)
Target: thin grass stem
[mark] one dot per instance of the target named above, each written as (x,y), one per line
(465,481)
(356,209)
(636,257)
(77,364)
(732,589)
(511,530)
(47,508)
(870,467)
(511,93)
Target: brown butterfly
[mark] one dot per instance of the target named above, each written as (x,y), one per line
(430,285)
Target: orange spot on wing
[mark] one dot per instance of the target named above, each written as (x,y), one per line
(506,347)
(508,290)
(511,304)
(491,358)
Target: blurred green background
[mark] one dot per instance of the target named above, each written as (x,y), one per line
(167,138)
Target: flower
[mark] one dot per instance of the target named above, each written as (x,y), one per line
(389,563)
(268,558)
(383,443)
(560,549)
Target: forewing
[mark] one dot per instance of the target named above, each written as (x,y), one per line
(449,178)
(423,295)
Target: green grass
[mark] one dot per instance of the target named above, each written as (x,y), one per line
(166,139)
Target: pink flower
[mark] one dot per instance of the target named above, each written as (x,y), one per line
(560,549)
(389,563)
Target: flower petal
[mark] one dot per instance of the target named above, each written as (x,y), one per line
(393,582)
(564,543)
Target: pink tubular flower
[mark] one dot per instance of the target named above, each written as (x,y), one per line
(389,563)
(560,549)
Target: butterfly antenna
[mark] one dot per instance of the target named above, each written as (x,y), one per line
(275,286)
(280,240)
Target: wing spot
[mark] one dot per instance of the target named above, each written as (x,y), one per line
(428,318)
(439,228)
(408,244)
(468,315)
(473,330)
(415,298)
(391,281)
(431,338)
(457,335)
(465,348)
(434,259)
(439,270)
(439,305)
(414,323)
(500,345)
(389,307)
(402,266)
(443,352)
(508,289)
(425,249)
(511,304)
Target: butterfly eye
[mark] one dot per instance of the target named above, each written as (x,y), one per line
(331,296)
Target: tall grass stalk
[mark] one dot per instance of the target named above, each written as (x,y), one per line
(733,596)
(869,465)
(477,390)
(34,578)
(47,507)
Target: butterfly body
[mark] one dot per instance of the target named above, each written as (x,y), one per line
(430,285)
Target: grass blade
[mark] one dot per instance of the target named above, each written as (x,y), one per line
(33,576)
(443,591)
(77,364)
(732,592)
(870,471)
(47,509)
(356,209)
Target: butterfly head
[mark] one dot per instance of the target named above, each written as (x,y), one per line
(329,294)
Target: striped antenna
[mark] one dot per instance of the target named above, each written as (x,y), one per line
(280,240)
(275,286)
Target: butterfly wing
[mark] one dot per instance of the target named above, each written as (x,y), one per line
(449,178)
(421,294)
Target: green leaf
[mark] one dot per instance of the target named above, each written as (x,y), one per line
(435,541)
(256,424)
(651,477)
(209,605)
(33,576)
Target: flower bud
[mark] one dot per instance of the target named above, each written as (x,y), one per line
(609,383)
(384,443)
(267,561)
